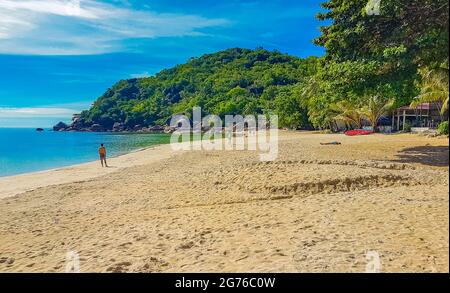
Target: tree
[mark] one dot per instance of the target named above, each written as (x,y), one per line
(376,55)
(376,107)
(290,112)
(419,28)
(351,81)
(435,88)
(348,113)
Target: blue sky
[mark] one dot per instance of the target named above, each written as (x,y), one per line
(58,56)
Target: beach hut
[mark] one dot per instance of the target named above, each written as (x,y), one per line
(423,117)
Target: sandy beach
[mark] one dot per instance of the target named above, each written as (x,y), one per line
(315,209)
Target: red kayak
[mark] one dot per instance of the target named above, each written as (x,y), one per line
(358,132)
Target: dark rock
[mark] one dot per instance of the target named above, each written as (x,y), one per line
(157,128)
(96,128)
(169,129)
(137,127)
(118,126)
(143,130)
(60,126)
(39,129)
(78,124)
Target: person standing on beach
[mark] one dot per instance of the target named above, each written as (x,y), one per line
(102,153)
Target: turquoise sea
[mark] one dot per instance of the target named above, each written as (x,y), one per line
(25,150)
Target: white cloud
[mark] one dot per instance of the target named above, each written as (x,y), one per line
(35,112)
(63,8)
(75,27)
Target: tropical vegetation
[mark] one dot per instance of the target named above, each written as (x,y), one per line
(234,81)
(373,63)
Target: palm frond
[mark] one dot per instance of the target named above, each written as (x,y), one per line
(435,88)
(376,107)
(346,112)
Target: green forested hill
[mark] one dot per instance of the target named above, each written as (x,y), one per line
(234,81)
(373,63)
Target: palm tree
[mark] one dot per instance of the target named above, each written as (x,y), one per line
(345,111)
(434,88)
(376,107)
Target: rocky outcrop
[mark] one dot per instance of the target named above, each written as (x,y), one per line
(168,129)
(117,127)
(137,127)
(60,126)
(78,125)
(97,128)
(157,128)
(154,129)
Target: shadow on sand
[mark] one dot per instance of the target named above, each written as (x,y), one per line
(425,155)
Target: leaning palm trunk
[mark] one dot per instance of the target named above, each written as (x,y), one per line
(376,107)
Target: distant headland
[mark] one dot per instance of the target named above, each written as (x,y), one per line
(230,82)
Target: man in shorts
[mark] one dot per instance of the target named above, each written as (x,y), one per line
(102,154)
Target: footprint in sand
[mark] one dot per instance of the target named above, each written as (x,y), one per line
(186,245)
(121,267)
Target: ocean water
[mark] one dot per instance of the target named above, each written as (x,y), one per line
(25,150)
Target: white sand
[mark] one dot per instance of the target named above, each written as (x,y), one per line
(316,209)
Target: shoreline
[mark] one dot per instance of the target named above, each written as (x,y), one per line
(37,151)
(20,183)
(13,185)
(81,163)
